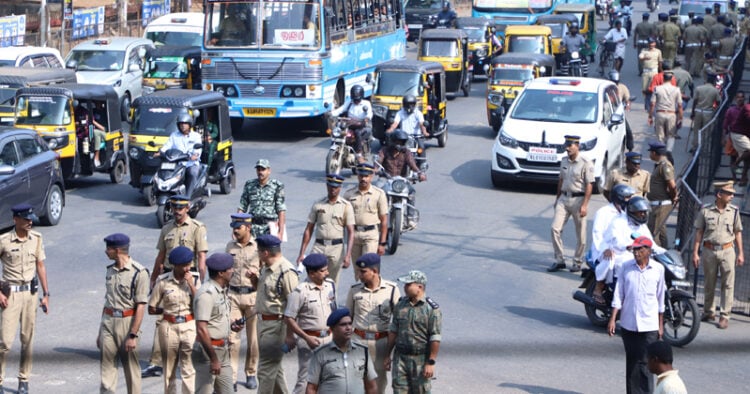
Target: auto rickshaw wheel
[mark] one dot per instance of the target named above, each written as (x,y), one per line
(442,139)
(149,196)
(125,107)
(117,173)
(227,183)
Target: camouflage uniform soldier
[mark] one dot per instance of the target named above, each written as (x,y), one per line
(415,332)
(264,199)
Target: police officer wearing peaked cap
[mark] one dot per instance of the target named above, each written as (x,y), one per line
(632,176)
(662,193)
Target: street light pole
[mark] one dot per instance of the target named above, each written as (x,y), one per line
(43,24)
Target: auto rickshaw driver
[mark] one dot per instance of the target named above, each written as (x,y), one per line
(359,111)
(185,140)
(211,138)
(88,129)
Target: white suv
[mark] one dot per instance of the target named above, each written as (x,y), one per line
(531,142)
(30,57)
(113,61)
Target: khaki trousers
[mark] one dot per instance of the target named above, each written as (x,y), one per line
(364,242)
(335,256)
(657,223)
(378,351)
(701,119)
(244,305)
(696,62)
(304,354)
(271,334)
(669,52)
(646,80)
(690,53)
(21,309)
(112,335)
(665,125)
(205,381)
(565,208)
(156,347)
(177,340)
(715,261)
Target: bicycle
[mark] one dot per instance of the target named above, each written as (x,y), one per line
(606,56)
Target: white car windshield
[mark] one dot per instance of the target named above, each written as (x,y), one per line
(98,60)
(551,105)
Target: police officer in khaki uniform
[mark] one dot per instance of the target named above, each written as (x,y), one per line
(371,303)
(662,193)
(242,295)
(694,37)
(22,255)
(718,228)
(370,206)
(731,14)
(573,194)
(727,45)
(642,32)
(342,365)
(666,111)
(650,60)
(705,48)
(181,231)
(172,297)
(716,33)
(329,217)
(709,19)
(213,365)
(278,279)
(684,82)
(705,99)
(306,312)
(125,301)
(670,37)
(632,176)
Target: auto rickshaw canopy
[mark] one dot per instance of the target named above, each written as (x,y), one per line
(443,34)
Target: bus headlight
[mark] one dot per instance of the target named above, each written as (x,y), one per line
(231,91)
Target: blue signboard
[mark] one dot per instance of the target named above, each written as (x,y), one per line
(88,22)
(12,30)
(153,9)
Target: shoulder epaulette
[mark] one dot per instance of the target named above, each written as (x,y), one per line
(358,284)
(111,265)
(432,303)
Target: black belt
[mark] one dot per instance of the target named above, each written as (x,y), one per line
(262,221)
(242,289)
(329,242)
(366,228)
(573,194)
(410,351)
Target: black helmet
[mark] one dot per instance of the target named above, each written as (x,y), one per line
(621,193)
(636,206)
(574,25)
(447,4)
(357,93)
(614,76)
(398,138)
(409,102)
(185,118)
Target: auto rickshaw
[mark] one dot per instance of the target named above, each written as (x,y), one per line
(172,67)
(559,23)
(154,119)
(397,78)
(481,46)
(586,15)
(70,117)
(507,75)
(14,78)
(528,39)
(448,47)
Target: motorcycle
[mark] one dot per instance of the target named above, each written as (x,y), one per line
(341,153)
(681,314)
(170,180)
(602,7)
(397,190)
(575,65)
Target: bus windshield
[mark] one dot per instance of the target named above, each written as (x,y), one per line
(43,110)
(160,121)
(393,83)
(514,6)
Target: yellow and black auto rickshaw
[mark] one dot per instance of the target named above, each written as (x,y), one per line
(586,15)
(155,118)
(81,122)
(528,39)
(448,47)
(482,48)
(397,78)
(172,67)
(508,75)
(14,78)
(559,24)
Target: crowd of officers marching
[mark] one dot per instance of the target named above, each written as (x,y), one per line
(203,303)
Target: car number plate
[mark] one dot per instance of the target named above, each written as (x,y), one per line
(260,112)
(547,155)
(414,26)
(168,166)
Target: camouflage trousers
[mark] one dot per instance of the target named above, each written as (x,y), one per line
(407,374)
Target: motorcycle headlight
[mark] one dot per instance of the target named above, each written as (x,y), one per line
(380,110)
(495,98)
(574,55)
(481,52)
(336,132)
(134,153)
(588,145)
(506,140)
(398,186)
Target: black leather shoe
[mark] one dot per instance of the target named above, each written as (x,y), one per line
(151,370)
(251,383)
(23,387)
(556,267)
(235,387)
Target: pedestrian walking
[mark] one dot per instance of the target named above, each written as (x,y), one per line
(372,303)
(737,129)
(705,100)
(639,300)
(662,193)
(685,82)
(717,229)
(632,176)
(727,46)
(666,111)
(306,313)
(660,360)
(264,198)
(693,37)
(573,193)
(669,33)
(125,298)
(642,32)
(649,59)
(329,217)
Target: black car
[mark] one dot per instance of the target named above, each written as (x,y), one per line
(422,15)
(29,173)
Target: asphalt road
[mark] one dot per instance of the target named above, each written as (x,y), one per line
(509,326)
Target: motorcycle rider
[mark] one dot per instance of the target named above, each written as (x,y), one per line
(359,111)
(643,31)
(396,160)
(409,120)
(573,42)
(625,12)
(185,139)
(448,15)
(620,195)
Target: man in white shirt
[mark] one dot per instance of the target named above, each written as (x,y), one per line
(619,36)
(360,112)
(621,193)
(185,139)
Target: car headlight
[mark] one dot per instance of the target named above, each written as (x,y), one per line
(52,143)
(398,186)
(134,153)
(588,145)
(380,110)
(506,140)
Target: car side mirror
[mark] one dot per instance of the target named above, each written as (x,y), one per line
(368,78)
(134,67)
(615,120)
(72,64)
(7,170)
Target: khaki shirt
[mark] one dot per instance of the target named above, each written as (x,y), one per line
(706,96)
(716,32)
(694,35)
(331,218)
(684,82)
(644,30)
(212,306)
(368,206)
(726,46)
(191,233)
(274,286)
(310,304)
(651,59)
(126,287)
(576,174)
(335,370)
(662,174)
(19,256)
(639,181)
(719,226)
(745,25)
(372,308)
(172,295)
(245,259)
(624,93)
(670,33)
(708,21)
(666,97)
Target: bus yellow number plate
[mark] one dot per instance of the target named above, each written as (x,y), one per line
(260,112)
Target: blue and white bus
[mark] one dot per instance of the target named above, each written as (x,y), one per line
(296,59)
(512,12)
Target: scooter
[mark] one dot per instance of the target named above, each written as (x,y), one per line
(397,190)
(602,7)
(341,154)
(170,180)
(681,314)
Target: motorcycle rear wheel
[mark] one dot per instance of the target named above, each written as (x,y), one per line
(596,316)
(394,230)
(681,321)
